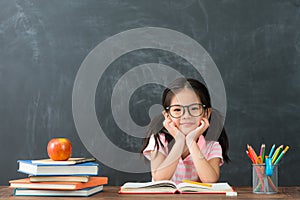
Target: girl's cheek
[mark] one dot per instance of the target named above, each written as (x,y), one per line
(176,123)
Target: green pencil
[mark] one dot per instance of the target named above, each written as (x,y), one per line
(263,150)
(280,156)
(277,151)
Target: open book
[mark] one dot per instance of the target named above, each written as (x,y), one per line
(167,186)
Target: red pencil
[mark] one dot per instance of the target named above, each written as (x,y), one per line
(252,153)
(247,152)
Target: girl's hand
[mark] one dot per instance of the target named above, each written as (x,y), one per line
(173,130)
(195,134)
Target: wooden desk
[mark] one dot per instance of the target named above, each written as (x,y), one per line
(111,192)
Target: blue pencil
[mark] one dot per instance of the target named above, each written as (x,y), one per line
(272,150)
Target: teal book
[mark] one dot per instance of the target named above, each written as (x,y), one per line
(75,193)
(41,169)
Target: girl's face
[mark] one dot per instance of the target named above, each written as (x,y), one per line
(186,123)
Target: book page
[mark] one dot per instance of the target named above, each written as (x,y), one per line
(221,187)
(188,187)
(164,183)
(70,161)
(216,187)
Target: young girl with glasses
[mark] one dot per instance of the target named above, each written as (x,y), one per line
(176,144)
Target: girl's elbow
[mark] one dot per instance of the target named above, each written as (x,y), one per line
(156,179)
(159,177)
(214,180)
(210,179)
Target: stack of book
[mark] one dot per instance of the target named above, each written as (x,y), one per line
(75,177)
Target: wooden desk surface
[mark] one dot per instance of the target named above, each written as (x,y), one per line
(111,192)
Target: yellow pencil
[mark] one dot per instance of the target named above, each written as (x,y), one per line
(197,183)
(282,153)
(276,153)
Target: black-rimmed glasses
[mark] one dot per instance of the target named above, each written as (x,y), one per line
(195,110)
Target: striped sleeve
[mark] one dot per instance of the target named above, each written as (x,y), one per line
(215,151)
(151,146)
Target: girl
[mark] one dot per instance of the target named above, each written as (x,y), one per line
(176,144)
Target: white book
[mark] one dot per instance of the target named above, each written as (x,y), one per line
(39,169)
(80,193)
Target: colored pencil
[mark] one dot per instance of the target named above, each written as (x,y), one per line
(278,150)
(262,152)
(271,151)
(249,155)
(252,153)
(197,183)
(280,156)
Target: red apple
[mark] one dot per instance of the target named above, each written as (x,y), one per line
(59,149)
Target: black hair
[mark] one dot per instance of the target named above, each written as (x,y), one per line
(156,125)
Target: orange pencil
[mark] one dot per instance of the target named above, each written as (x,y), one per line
(252,153)
(249,155)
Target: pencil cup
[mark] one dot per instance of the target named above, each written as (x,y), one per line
(262,183)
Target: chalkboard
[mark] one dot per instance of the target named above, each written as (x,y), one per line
(254,44)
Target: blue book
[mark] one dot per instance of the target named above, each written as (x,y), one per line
(42,169)
(34,192)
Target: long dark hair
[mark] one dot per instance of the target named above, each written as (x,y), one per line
(156,125)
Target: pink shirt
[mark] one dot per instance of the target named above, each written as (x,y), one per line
(185,168)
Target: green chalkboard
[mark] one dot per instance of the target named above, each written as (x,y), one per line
(254,44)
